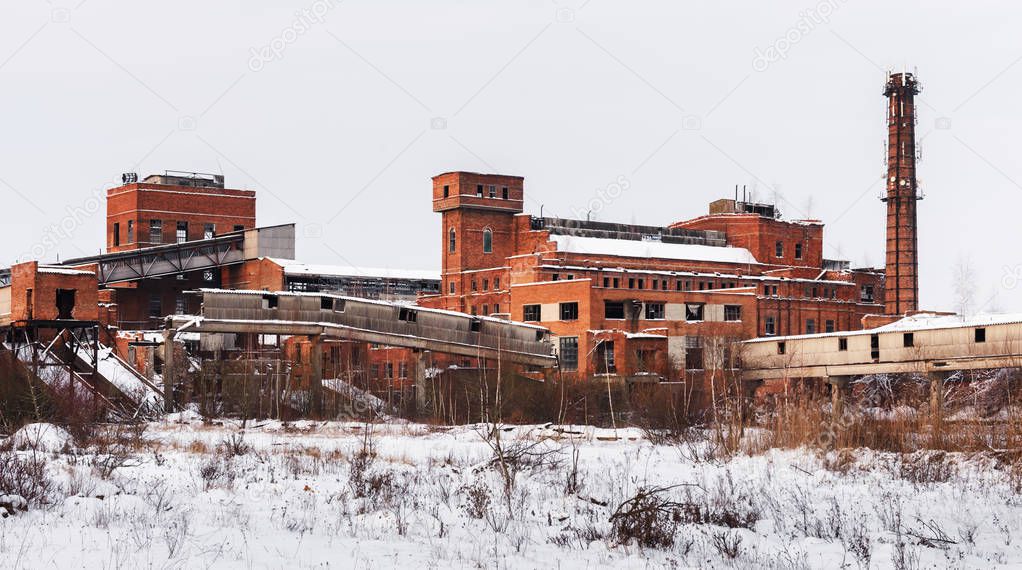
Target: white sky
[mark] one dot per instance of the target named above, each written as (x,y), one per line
(336,133)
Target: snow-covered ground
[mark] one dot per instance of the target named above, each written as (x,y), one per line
(193,495)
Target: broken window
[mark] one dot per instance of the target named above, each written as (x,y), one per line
(644,360)
(208,231)
(732,312)
(874,346)
(530,313)
(475,325)
(613,309)
(452,240)
(693,311)
(605,358)
(487,240)
(654,311)
(569,311)
(866,295)
(182,232)
(407,315)
(131,231)
(65,303)
(842,344)
(270,301)
(493,191)
(156,231)
(568,353)
(769,326)
(782,347)
(479,190)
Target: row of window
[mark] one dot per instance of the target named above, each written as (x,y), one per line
(615,310)
(770,326)
(908,340)
(483,191)
(452,240)
(388,370)
(486,309)
(156,232)
(486,284)
(660,284)
(779,249)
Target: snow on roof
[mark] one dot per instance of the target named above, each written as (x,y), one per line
(62,270)
(292,267)
(652,249)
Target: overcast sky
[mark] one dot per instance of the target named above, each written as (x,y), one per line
(338,114)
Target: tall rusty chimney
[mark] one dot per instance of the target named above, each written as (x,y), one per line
(902,283)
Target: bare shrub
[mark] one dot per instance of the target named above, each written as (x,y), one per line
(25,477)
(648,518)
(477,500)
(925,468)
(855,540)
(215,470)
(234,445)
(727,544)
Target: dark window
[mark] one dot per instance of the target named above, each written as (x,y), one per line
(182,232)
(496,307)
(782,347)
(605,358)
(389,369)
(769,326)
(693,311)
(447,191)
(677,285)
(156,231)
(208,231)
(571,276)
(654,311)
(606,282)
(486,284)
(613,309)
(530,313)
(504,192)
(239,227)
(155,307)
(569,353)
(615,283)
(663,284)
(408,315)
(487,240)
(496,283)
(732,312)
(810,326)
(479,190)
(65,303)
(874,346)
(486,310)
(475,286)
(867,293)
(631,283)
(829,326)
(909,340)
(779,249)
(555,276)
(493,191)
(798,251)
(842,344)
(452,240)
(326,303)
(475,325)
(981,335)
(117,234)
(656,284)
(641,282)
(569,311)
(814,292)
(402,370)
(452,287)
(270,301)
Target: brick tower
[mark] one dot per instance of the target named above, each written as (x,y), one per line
(902,284)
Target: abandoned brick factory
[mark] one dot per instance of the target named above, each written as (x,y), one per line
(193,298)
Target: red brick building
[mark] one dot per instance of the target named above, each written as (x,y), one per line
(633,300)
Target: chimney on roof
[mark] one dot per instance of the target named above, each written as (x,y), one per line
(901,289)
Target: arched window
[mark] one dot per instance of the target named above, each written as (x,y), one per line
(487,240)
(452,240)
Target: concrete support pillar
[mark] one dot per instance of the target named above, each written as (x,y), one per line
(316,375)
(169,373)
(839,390)
(421,385)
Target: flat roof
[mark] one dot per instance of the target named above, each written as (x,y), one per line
(652,249)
